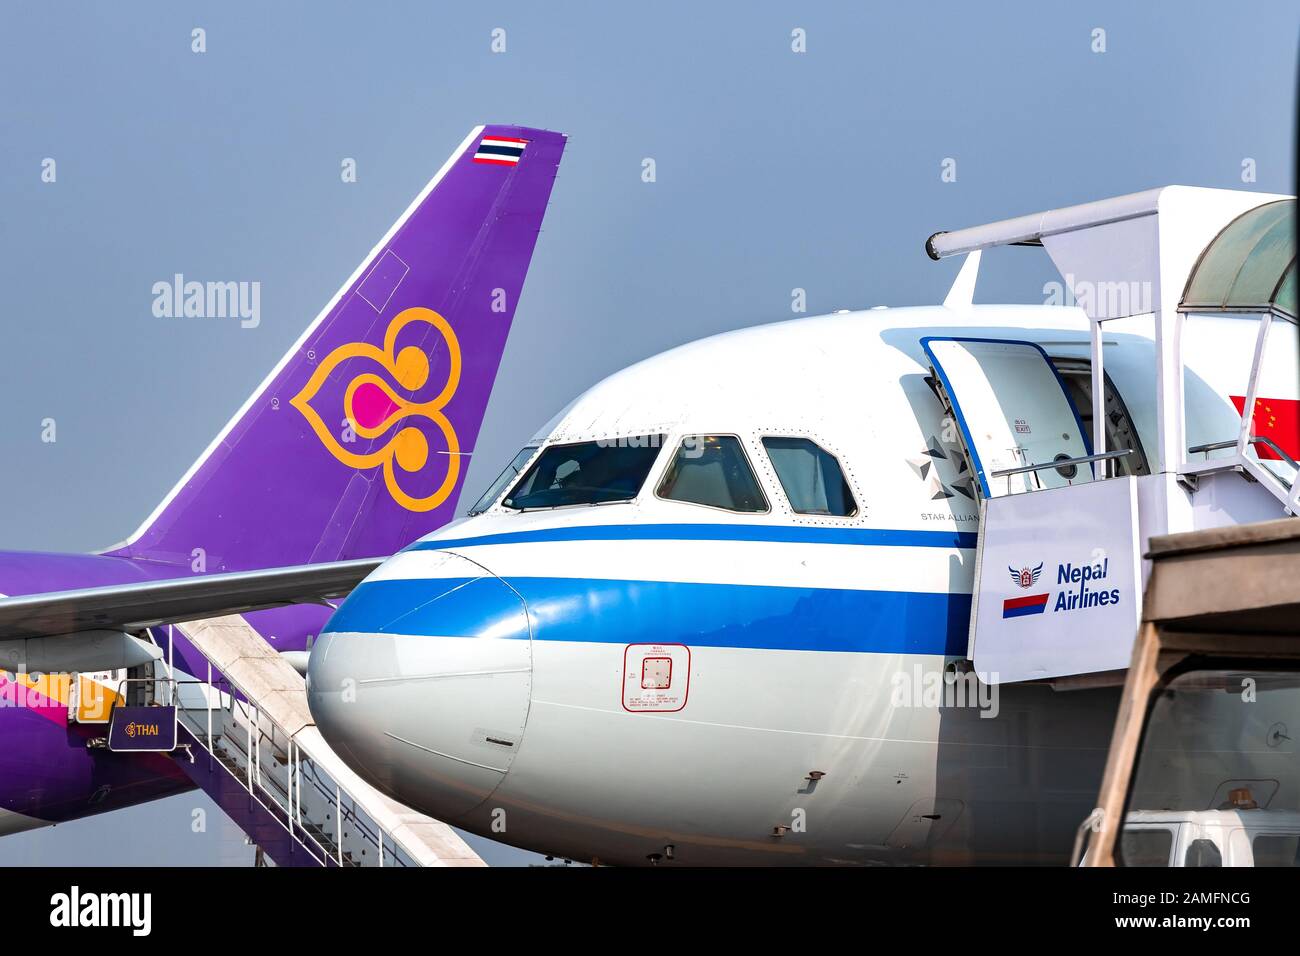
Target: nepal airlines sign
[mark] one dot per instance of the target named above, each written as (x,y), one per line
(1058,591)
(1080,589)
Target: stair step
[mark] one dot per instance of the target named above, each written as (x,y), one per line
(258,692)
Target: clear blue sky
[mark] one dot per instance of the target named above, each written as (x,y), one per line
(775,170)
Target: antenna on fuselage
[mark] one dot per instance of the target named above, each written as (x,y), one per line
(962,293)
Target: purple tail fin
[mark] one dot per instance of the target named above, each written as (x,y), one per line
(357,442)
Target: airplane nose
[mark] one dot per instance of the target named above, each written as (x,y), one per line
(421,681)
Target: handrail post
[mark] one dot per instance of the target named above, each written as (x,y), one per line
(288,771)
(1252,386)
(338,823)
(257,746)
(1098,398)
(207,696)
(171,673)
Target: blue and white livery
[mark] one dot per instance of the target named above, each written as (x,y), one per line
(719,610)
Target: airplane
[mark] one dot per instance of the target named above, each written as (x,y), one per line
(719,610)
(355,444)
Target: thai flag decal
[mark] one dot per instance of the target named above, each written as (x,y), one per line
(499,150)
(1019,607)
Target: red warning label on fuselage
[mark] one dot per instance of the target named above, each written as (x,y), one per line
(656,677)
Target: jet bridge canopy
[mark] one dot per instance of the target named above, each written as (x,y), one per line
(1059,567)
(1250,266)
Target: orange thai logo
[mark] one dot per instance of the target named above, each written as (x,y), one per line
(372,408)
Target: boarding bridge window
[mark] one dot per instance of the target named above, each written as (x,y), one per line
(712,470)
(812,478)
(1231,345)
(1238,345)
(511,472)
(586,473)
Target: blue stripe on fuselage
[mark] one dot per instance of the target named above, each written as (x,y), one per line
(700,615)
(878,537)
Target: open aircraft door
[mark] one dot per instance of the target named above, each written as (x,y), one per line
(1057,587)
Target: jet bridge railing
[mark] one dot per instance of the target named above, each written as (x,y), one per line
(260,756)
(1282,484)
(1061,463)
(285,779)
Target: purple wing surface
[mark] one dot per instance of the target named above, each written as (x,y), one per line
(358,441)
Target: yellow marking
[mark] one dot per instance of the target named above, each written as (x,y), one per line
(408,448)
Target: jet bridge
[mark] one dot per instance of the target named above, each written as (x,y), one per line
(243,734)
(1198,284)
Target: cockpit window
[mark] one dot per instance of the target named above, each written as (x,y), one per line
(510,474)
(811,477)
(713,470)
(586,473)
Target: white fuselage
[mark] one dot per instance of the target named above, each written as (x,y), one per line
(653,680)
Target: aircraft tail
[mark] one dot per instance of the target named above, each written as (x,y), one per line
(358,440)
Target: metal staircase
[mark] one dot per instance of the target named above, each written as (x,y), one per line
(246,738)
